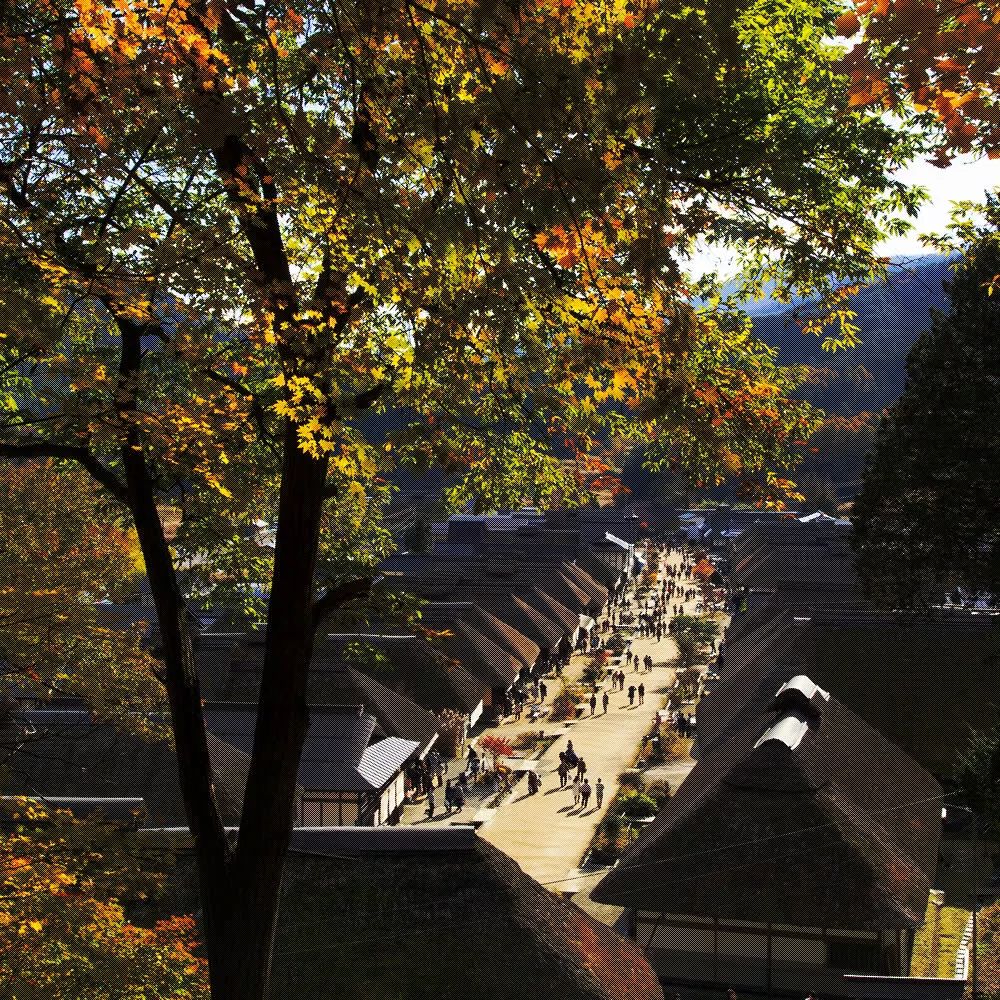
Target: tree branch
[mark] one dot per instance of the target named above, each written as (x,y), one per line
(336,597)
(75,453)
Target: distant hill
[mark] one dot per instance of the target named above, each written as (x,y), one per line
(891,315)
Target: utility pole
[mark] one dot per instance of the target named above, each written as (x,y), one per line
(975,898)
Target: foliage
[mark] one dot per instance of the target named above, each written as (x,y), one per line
(595,667)
(688,649)
(498,746)
(659,791)
(63,932)
(251,259)
(977,777)
(635,804)
(688,681)
(671,745)
(936,57)
(565,702)
(923,520)
(987,953)
(451,732)
(51,636)
(525,741)
(632,779)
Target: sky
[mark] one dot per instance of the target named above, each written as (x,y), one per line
(966,179)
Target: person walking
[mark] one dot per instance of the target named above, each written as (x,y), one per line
(576,791)
(458,797)
(642,693)
(563,772)
(430,802)
(543,690)
(599,791)
(593,705)
(631,694)
(581,768)
(605,698)
(585,791)
(448,797)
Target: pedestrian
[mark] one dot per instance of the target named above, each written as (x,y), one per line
(458,795)
(448,797)
(581,768)
(585,791)
(593,704)
(642,693)
(532,783)
(543,690)
(430,802)
(576,791)
(631,694)
(605,698)
(599,790)
(563,772)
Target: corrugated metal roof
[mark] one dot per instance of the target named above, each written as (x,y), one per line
(382,761)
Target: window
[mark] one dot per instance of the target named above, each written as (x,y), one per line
(853,955)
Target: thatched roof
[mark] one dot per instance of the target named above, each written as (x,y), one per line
(596,568)
(597,592)
(791,532)
(920,681)
(445,614)
(334,681)
(481,657)
(435,914)
(70,756)
(553,609)
(415,669)
(801,814)
(790,567)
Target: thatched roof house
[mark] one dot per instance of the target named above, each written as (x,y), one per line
(335,681)
(801,814)
(921,681)
(431,914)
(802,846)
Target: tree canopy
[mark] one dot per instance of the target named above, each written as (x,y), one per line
(925,518)
(236,239)
(939,58)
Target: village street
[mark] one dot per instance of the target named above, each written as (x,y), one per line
(545,833)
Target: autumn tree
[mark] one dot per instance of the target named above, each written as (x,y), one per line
(233,236)
(936,58)
(63,929)
(925,518)
(53,638)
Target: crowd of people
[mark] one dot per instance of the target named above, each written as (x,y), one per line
(633,613)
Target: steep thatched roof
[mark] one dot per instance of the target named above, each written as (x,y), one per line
(920,681)
(801,814)
(597,592)
(443,615)
(334,681)
(597,569)
(482,658)
(437,914)
(68,755)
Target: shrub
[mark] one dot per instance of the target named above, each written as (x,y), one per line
(495,745)
(525,741)
(565,702)
(659,791)
(633,780)
(671,745)
(451,732)
(637,805)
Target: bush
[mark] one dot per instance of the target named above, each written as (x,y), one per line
(633,780)
(565,702)
(495,745)
(671,745)
(659,791)
(525,741)
(637,805)
(451,733)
